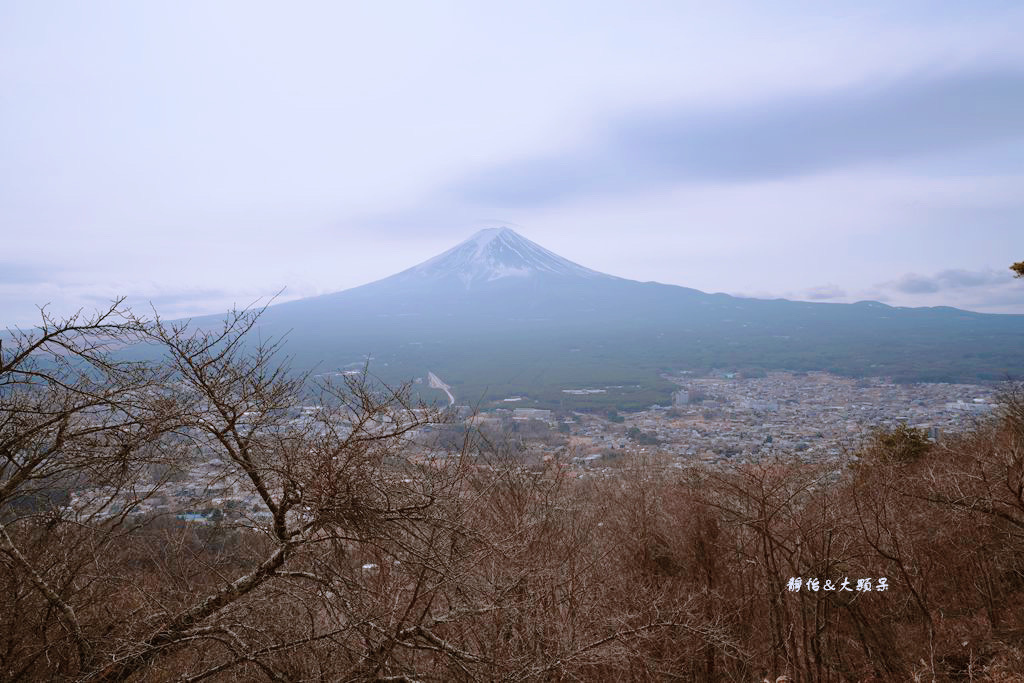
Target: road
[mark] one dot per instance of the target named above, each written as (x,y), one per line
(436,383)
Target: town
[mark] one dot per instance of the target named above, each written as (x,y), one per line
(720,420)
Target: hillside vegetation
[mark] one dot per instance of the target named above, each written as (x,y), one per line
(366,559)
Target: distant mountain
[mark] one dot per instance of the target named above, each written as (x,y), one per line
(496,273)
(499,315)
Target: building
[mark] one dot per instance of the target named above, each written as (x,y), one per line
(531,414)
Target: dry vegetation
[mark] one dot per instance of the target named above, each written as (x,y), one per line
(370,564)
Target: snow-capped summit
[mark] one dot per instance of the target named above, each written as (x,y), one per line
(494,254)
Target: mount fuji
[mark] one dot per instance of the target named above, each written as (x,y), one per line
(498,315)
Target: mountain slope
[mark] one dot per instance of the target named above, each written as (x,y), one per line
(499,315)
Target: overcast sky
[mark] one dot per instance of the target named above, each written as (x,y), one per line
(199,154)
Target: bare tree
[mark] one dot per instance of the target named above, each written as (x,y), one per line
(89,439)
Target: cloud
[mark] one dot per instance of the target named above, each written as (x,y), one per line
(959,279)
(186,302)
(915,284)
(987,290)
(946,280)
(778,138)
(825,292)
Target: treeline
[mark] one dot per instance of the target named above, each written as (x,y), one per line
(971,349)
(372,560)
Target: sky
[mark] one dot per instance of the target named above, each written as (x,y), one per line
(197,155)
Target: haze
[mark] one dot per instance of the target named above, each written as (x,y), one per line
(194,155)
